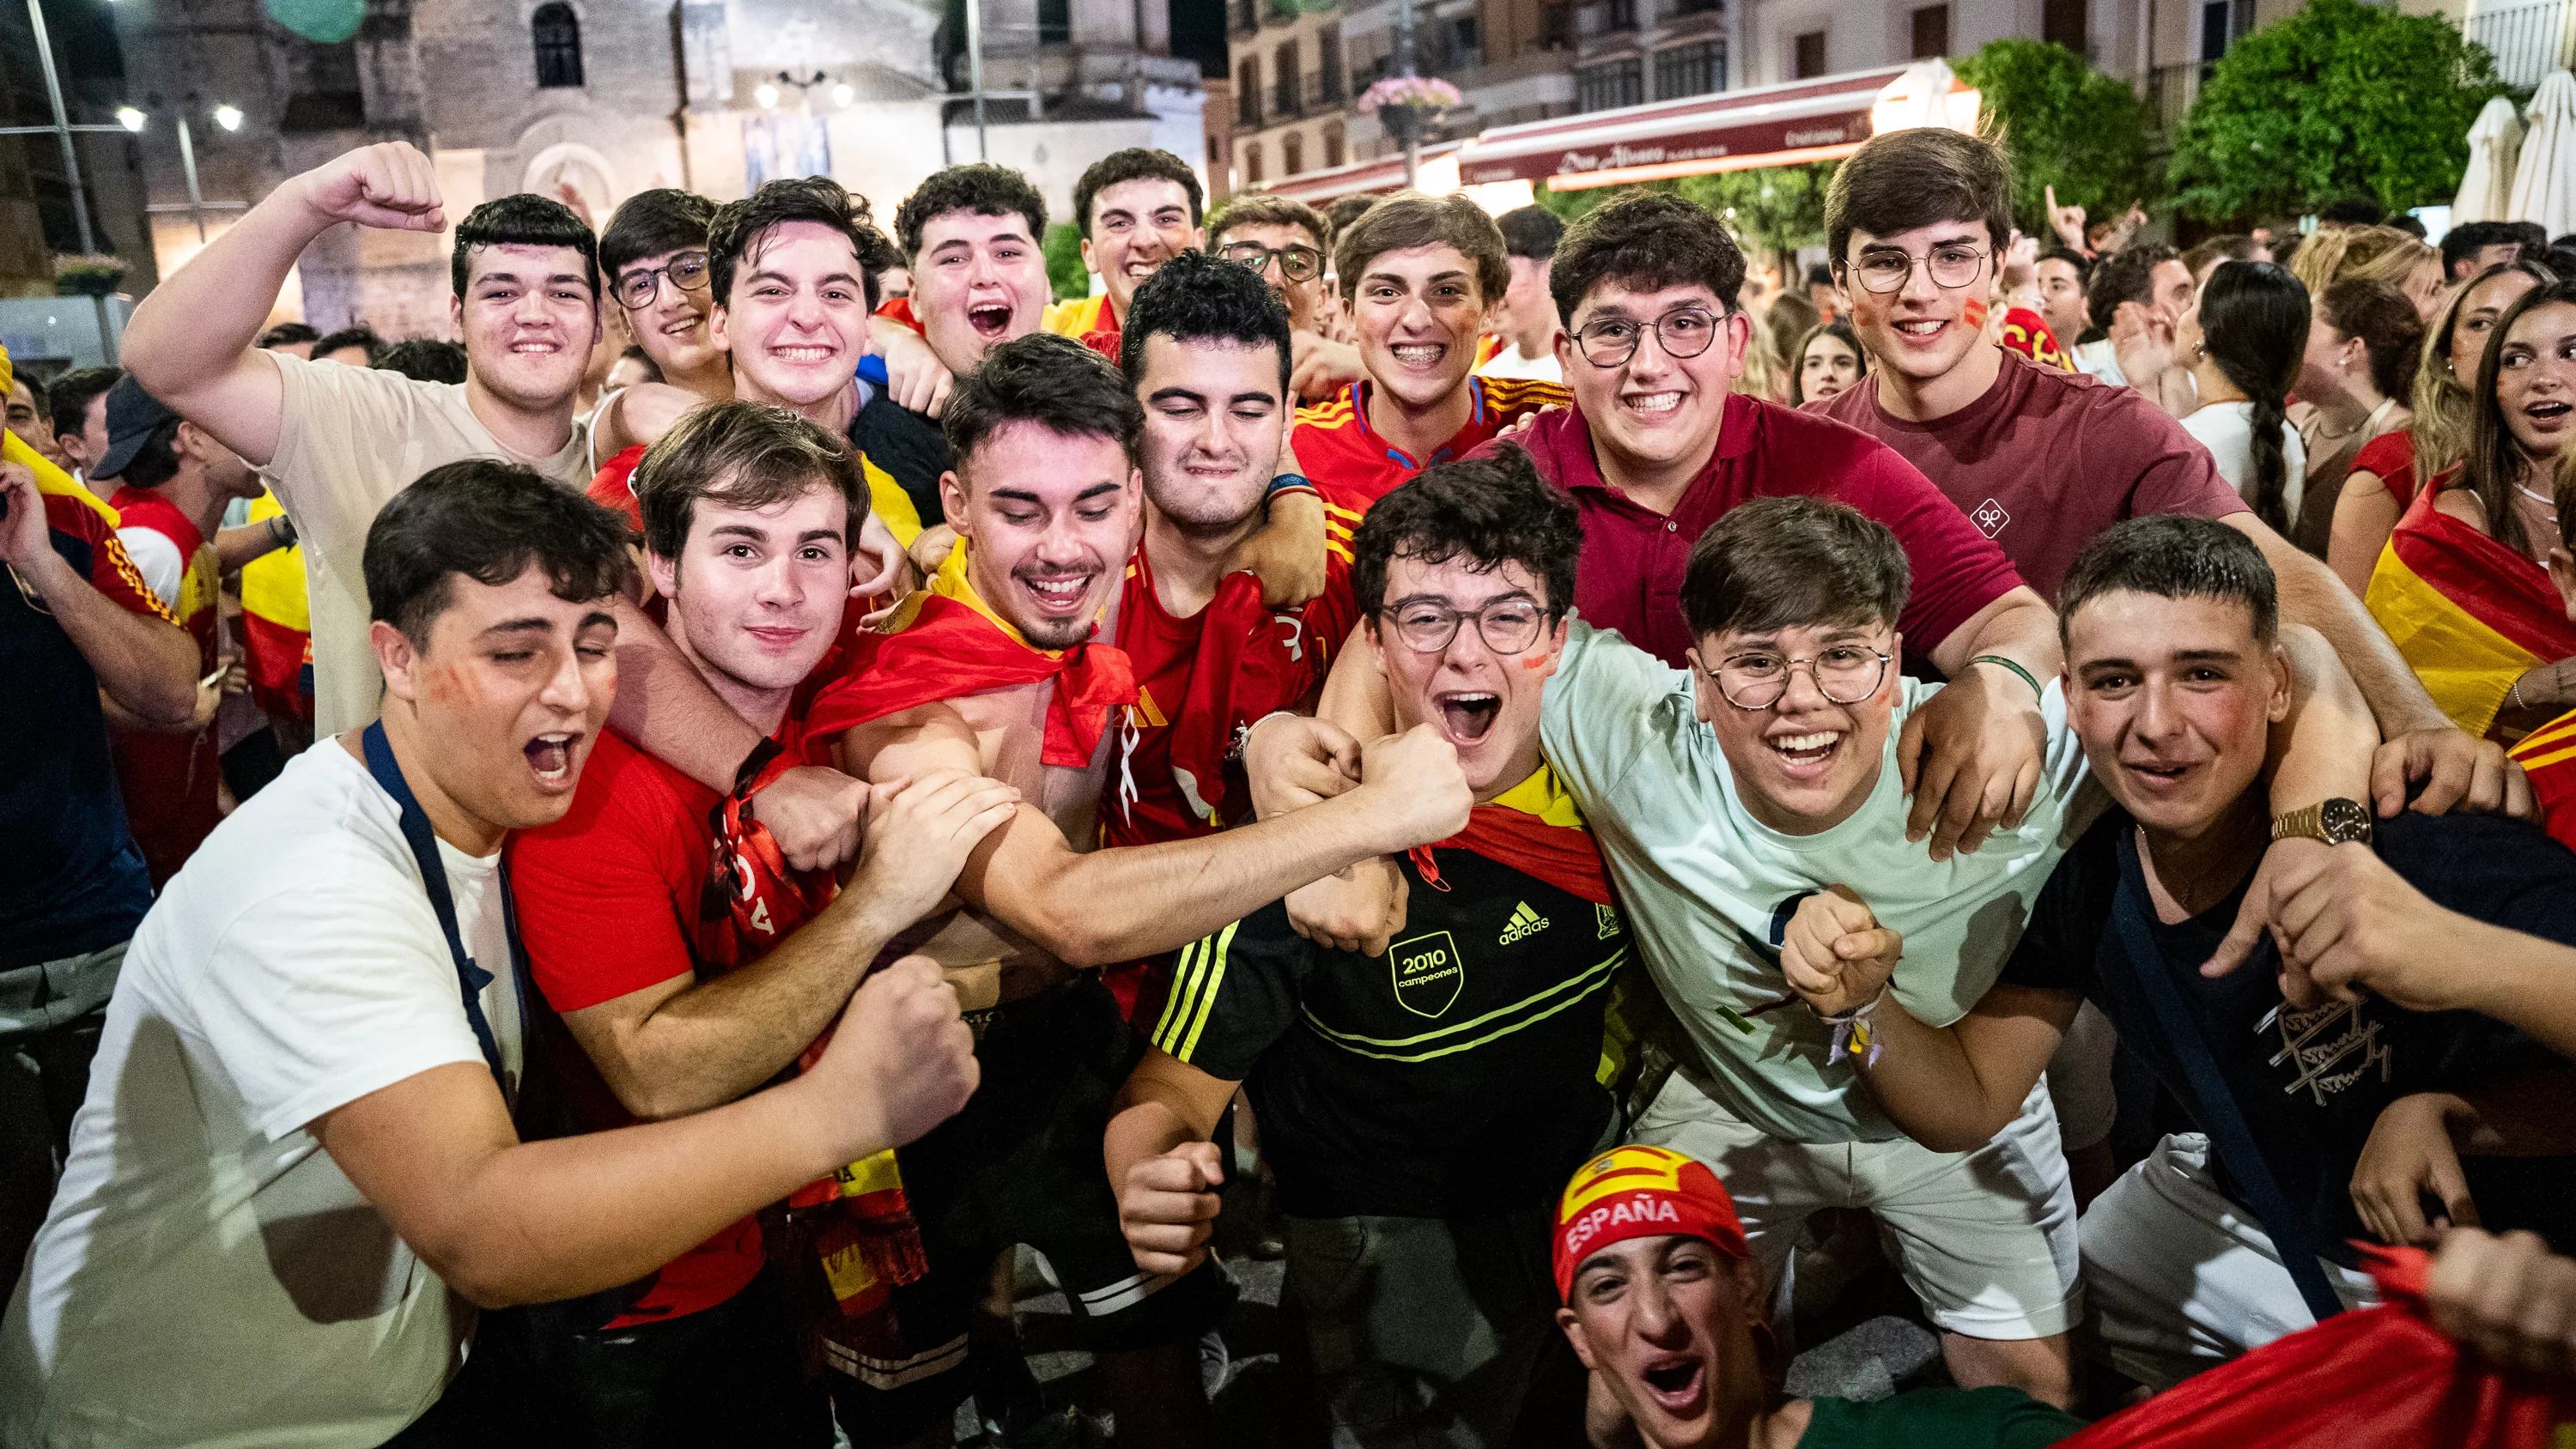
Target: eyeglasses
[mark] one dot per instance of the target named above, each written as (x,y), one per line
(1952,266)
(1611,341)
(1844,674)
(1297,264)
(1508,626)
(688,272)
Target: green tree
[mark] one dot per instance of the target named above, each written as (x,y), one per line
(2066,125)
(1780,207)
(2340,99)
(1065,271)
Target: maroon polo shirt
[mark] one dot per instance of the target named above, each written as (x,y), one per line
(1633,557)
(2046,459)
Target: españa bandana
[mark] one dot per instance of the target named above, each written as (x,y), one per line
(1641,1192)
(2469,614)
(945,642)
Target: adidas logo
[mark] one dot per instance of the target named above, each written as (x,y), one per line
(1524,922)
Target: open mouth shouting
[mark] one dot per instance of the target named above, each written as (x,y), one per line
(1677,1384)
(1467,715)
(991,320)
(550,758)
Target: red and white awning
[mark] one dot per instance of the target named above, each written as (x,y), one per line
(1781,125)
(1385,174)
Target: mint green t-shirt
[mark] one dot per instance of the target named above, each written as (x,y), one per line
(1702,880)
(1988,1418)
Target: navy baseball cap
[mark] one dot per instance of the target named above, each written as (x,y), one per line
(132,416)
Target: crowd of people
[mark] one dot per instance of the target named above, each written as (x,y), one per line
(601,882)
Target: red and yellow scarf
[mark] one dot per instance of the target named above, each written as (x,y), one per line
(2469,614)
(944,642)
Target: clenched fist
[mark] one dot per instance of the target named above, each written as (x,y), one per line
(1167,1207)
(390,186)
(901,1062)
(1415,787)
(1836,954)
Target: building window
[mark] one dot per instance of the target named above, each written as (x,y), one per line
(1055,22)
(1462,42)
(1555,26)
(1292,153)
(1610,84)
(2222,24)
(1252,163)
(1690,70)
(1328,61)
(2063,22)
(1247,93)
(1333,144)
(1808,59)
(557,33)
(1283,75)
(1932,32)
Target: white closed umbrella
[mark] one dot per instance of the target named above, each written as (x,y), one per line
(2544,176)
(2486,187)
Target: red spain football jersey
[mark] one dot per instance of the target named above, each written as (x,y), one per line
(1353,466)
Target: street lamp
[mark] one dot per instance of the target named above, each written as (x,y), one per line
(130,118)
(228,117)
(225,115)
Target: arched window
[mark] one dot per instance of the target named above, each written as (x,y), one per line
(1292,153)
(1333,144)
(557,32)
(1251,163)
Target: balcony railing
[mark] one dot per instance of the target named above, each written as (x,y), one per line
(2170,91)
(2527,41)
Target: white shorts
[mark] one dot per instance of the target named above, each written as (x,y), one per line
(2181,1278)
(1986,1239)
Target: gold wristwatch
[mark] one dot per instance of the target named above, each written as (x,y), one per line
(2336,821)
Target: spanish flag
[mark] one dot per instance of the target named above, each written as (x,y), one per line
(2469,614)
(945,642)
(1535,829)
(277,624)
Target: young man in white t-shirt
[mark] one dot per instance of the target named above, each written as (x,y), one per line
(297,1163)
(337,443)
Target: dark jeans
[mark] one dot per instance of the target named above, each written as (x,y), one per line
(726,1375)
(43,1076)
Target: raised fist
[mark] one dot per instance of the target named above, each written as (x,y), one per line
(1836,954)
(1167,1207)
(901,1062)
(389,185)
(1415,784)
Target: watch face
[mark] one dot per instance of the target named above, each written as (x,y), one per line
(2344,821)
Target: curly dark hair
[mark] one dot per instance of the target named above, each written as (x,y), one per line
(1789,562)
(663,219)
(1489,511)
(1136,163)
(522,219)
(1196,297)
(979,187)
(1645,241)
(1920,176)
(1054,382)
(490,521)
(738,226)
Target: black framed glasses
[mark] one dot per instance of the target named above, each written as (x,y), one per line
(637,285)
(1844,674)
(1953,265)
(1296,263)
(1611,341)
(1508,626)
